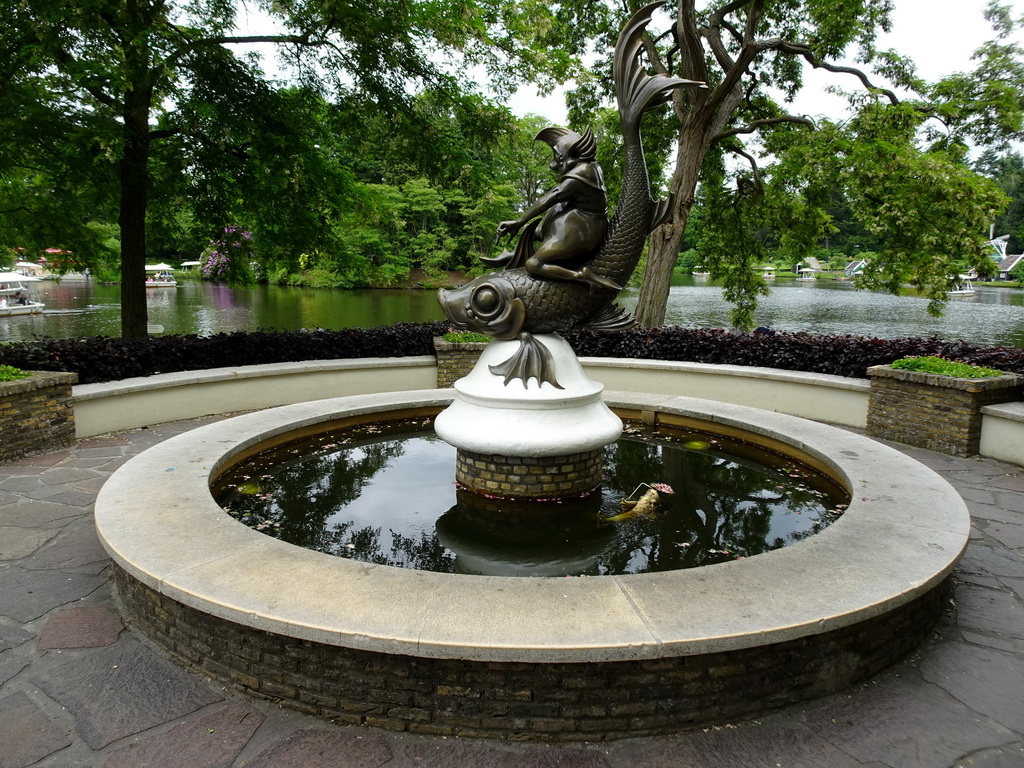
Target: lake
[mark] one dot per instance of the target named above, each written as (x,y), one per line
(992,317)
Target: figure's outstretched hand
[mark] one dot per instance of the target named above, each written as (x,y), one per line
(507,228)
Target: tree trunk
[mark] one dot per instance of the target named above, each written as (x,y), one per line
(134,169)
(663,247)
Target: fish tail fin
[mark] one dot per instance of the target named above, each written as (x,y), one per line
(611,317)
(636,91)
(662,211)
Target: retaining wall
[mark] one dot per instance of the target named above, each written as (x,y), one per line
(133,403)
(36,415)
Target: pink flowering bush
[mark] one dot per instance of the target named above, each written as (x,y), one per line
(229,257)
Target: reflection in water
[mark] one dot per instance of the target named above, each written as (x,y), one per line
(385,494)
(992,317)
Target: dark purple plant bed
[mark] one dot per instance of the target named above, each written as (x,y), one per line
(101,358)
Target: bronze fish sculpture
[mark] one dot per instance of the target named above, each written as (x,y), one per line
(516,303)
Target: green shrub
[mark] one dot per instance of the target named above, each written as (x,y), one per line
(10,373)
(943,367)
(466,337)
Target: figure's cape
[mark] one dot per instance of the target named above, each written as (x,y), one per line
(588,173)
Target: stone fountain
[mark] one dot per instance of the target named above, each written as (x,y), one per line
(545,658)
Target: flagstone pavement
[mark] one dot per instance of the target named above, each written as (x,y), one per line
(79,689)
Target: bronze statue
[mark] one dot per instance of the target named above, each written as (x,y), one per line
(533,295)
(575,214)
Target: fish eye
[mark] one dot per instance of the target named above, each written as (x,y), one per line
(486,300)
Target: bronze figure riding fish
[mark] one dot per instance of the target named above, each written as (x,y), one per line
(567,268)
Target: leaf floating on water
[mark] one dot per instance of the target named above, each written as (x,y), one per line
(696,445)
(249,489)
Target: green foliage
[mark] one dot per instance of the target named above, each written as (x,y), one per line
(142,113)
(789,196)
(229,258)
(928,212)
(1007,171)
(466,337)
(943,367)
(10,373)
(1017,273)
(733,240)
(690,260)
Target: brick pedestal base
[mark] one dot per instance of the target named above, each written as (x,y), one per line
(528,477)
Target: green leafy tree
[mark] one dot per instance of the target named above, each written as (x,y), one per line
(103,85)
(1017,273)
(747,51)
(1007,171)
(229,257)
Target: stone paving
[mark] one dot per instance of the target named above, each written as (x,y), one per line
(79,689)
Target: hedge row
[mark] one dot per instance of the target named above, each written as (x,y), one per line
(100,358)
(849,356)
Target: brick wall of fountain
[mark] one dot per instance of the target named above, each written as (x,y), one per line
(516,700)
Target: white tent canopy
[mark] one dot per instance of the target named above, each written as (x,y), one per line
(159,267)
(14,277)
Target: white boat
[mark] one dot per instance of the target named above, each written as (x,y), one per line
(160,276)
(701,274)
(768,273)
(963,287)
(14,298)
(807,276)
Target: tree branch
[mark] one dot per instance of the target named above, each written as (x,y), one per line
(804,51)
(734,69)
(307,38)
(754,125)
(753,166)
(164,133)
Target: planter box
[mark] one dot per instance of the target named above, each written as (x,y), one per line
(940,413)
(36,415)
(455,359)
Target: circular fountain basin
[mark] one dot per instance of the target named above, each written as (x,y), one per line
(565,658)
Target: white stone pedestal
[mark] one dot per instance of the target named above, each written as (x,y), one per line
(531,419)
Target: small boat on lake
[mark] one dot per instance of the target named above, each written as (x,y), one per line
(14,298)
(807,275)
(963,287)
(160,276)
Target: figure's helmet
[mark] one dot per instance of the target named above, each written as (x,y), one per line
(569,143)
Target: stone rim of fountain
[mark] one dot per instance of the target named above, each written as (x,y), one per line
(902,535)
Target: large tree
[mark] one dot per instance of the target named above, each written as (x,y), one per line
(901,161)
(92,88)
